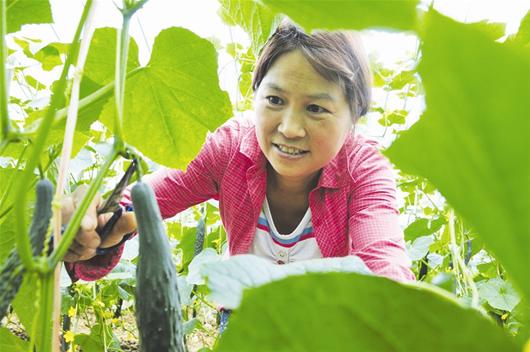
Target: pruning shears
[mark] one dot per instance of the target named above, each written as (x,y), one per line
(112,203)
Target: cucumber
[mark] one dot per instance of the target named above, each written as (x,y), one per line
(199,239)
(158,310)
(12,271)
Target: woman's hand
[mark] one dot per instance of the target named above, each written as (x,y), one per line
(87,239)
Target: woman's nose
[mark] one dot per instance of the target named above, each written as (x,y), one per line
(292,125)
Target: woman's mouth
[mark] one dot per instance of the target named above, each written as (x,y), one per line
(289,151)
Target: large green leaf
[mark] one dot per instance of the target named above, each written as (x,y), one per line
(9,342)
(423,227)
(227,279)
(350,14)
(172,103)
(351,312)
(257,20)
(101,60)
(473,136)
(21,12)
(499,294)
(99,70)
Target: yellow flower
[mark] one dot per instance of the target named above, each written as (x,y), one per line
(107,314)
(68,336)
(71,312)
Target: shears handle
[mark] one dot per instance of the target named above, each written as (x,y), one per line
(105,231)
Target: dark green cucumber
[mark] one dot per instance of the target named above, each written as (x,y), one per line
(199,239)
(158,311)
(12,270)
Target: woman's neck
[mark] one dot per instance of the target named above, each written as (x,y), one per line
(291,186)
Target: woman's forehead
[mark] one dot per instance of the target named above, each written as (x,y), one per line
(318,94)
(293,73)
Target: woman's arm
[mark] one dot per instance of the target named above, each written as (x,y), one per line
(374,230)
(175,191)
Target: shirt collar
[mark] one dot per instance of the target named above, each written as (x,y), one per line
(333,175)
(250,148)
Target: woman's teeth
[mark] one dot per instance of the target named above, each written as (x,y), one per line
(289,150)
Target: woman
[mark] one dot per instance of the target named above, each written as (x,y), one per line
(294,183)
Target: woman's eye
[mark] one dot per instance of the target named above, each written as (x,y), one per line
(316,109)
(274,100)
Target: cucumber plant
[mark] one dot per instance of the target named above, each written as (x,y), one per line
(35,262)
(12,270)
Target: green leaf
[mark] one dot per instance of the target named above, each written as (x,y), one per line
(25,303)
(257,20)
(101,338)
(488,270)
(49,56)
(423,227)
(420,247)
(473,136)
(208,255)
(187,247)
(227,279)
(499,294)
(351,14)
(351,312)
(7,237)
(492,29)
(101,60)
(445,280)
(34,82)
(9,342)
(403,78)
(21,12)
(396,117)
(191,325)
(172,103)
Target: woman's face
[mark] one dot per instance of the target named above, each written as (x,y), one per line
(302,119)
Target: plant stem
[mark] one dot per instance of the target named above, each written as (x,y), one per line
(22,238)
(135,7)
(3,74)
(71,120)
(45,312)
(73,226)
(66,154)
(459,262)
(122,50)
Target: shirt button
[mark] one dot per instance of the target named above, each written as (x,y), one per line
(280,262)
(282,254)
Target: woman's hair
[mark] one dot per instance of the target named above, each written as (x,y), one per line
(338,56)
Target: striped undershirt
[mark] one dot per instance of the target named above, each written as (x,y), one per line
(279,248)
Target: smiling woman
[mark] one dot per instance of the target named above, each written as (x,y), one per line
(293,183)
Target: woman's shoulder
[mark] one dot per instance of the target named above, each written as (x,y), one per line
(232,131)
(239,124)
(230,137)
(364,158)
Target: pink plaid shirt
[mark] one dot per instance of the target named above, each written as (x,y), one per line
(353,207)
